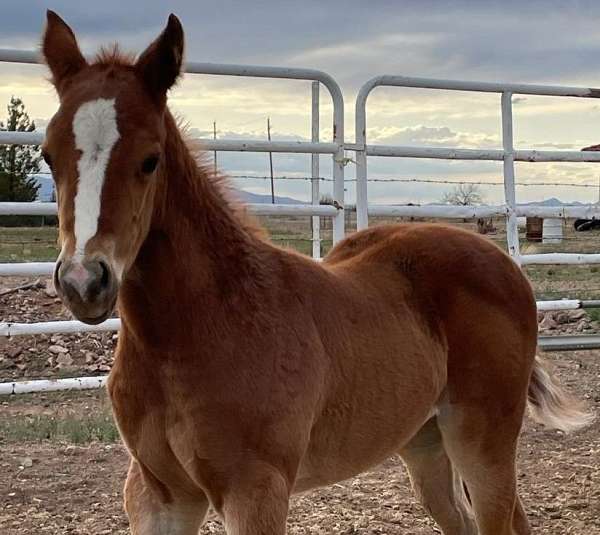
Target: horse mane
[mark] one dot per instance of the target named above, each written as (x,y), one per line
(219,181)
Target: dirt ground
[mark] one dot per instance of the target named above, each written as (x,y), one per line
(60,486)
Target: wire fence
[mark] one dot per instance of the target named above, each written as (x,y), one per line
(421,181)
(405,180)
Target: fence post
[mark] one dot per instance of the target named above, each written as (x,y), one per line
(316,220)
(362,202)
(339,221)
(512,229)
(215,152)
(271,161)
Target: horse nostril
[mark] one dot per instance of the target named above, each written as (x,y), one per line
(105,276)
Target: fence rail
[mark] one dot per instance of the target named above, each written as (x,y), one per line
(400,151)
(52,385)
(431,210)
(71,326)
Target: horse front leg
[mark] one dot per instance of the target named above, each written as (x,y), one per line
(153,510)
(257,502)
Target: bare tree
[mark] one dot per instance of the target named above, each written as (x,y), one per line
(463,195)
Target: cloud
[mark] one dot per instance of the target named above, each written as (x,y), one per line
(548,145)
(354,41)
(434,136)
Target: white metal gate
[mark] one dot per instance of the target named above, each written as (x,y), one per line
(508,155)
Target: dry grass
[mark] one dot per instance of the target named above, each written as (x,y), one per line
(58,417)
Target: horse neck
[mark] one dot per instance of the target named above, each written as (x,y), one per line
(192,207)
(198,246)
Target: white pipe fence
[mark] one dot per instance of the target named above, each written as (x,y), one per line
(314,172)
(52,385)
(443,153)
(56,327)
(50,208)
(336,148)
(474,212)
(26,269)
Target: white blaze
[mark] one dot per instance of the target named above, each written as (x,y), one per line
(96,132)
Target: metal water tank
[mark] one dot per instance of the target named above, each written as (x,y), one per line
(552,231)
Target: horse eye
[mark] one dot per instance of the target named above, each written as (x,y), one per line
(149,164)
(47,159)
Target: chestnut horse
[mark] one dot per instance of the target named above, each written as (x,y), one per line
(245,372)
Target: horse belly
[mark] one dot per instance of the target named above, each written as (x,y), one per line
(367,427)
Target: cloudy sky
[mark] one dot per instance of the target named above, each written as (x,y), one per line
(528,41)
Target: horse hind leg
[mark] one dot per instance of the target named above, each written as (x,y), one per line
(481,444)
(436,483)
(256,502)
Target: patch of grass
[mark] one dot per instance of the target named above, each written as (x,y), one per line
(75,430)
(302,245)
(594,314)
(28,244)
(564,281)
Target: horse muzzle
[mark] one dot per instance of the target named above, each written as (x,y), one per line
(87,287)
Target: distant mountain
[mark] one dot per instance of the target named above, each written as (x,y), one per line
(552,201)
(248,197)
(47,186)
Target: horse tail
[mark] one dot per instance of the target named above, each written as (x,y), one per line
(550,405)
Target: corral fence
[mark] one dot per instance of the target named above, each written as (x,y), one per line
(337,148)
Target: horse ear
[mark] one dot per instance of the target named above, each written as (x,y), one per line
(61,50)
(160,64)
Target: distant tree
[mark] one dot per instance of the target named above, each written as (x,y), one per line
(463,195)
(18,162)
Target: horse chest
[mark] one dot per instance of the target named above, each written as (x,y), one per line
(170,413)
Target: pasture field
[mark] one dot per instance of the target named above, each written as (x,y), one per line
(550,282)
(62,466)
